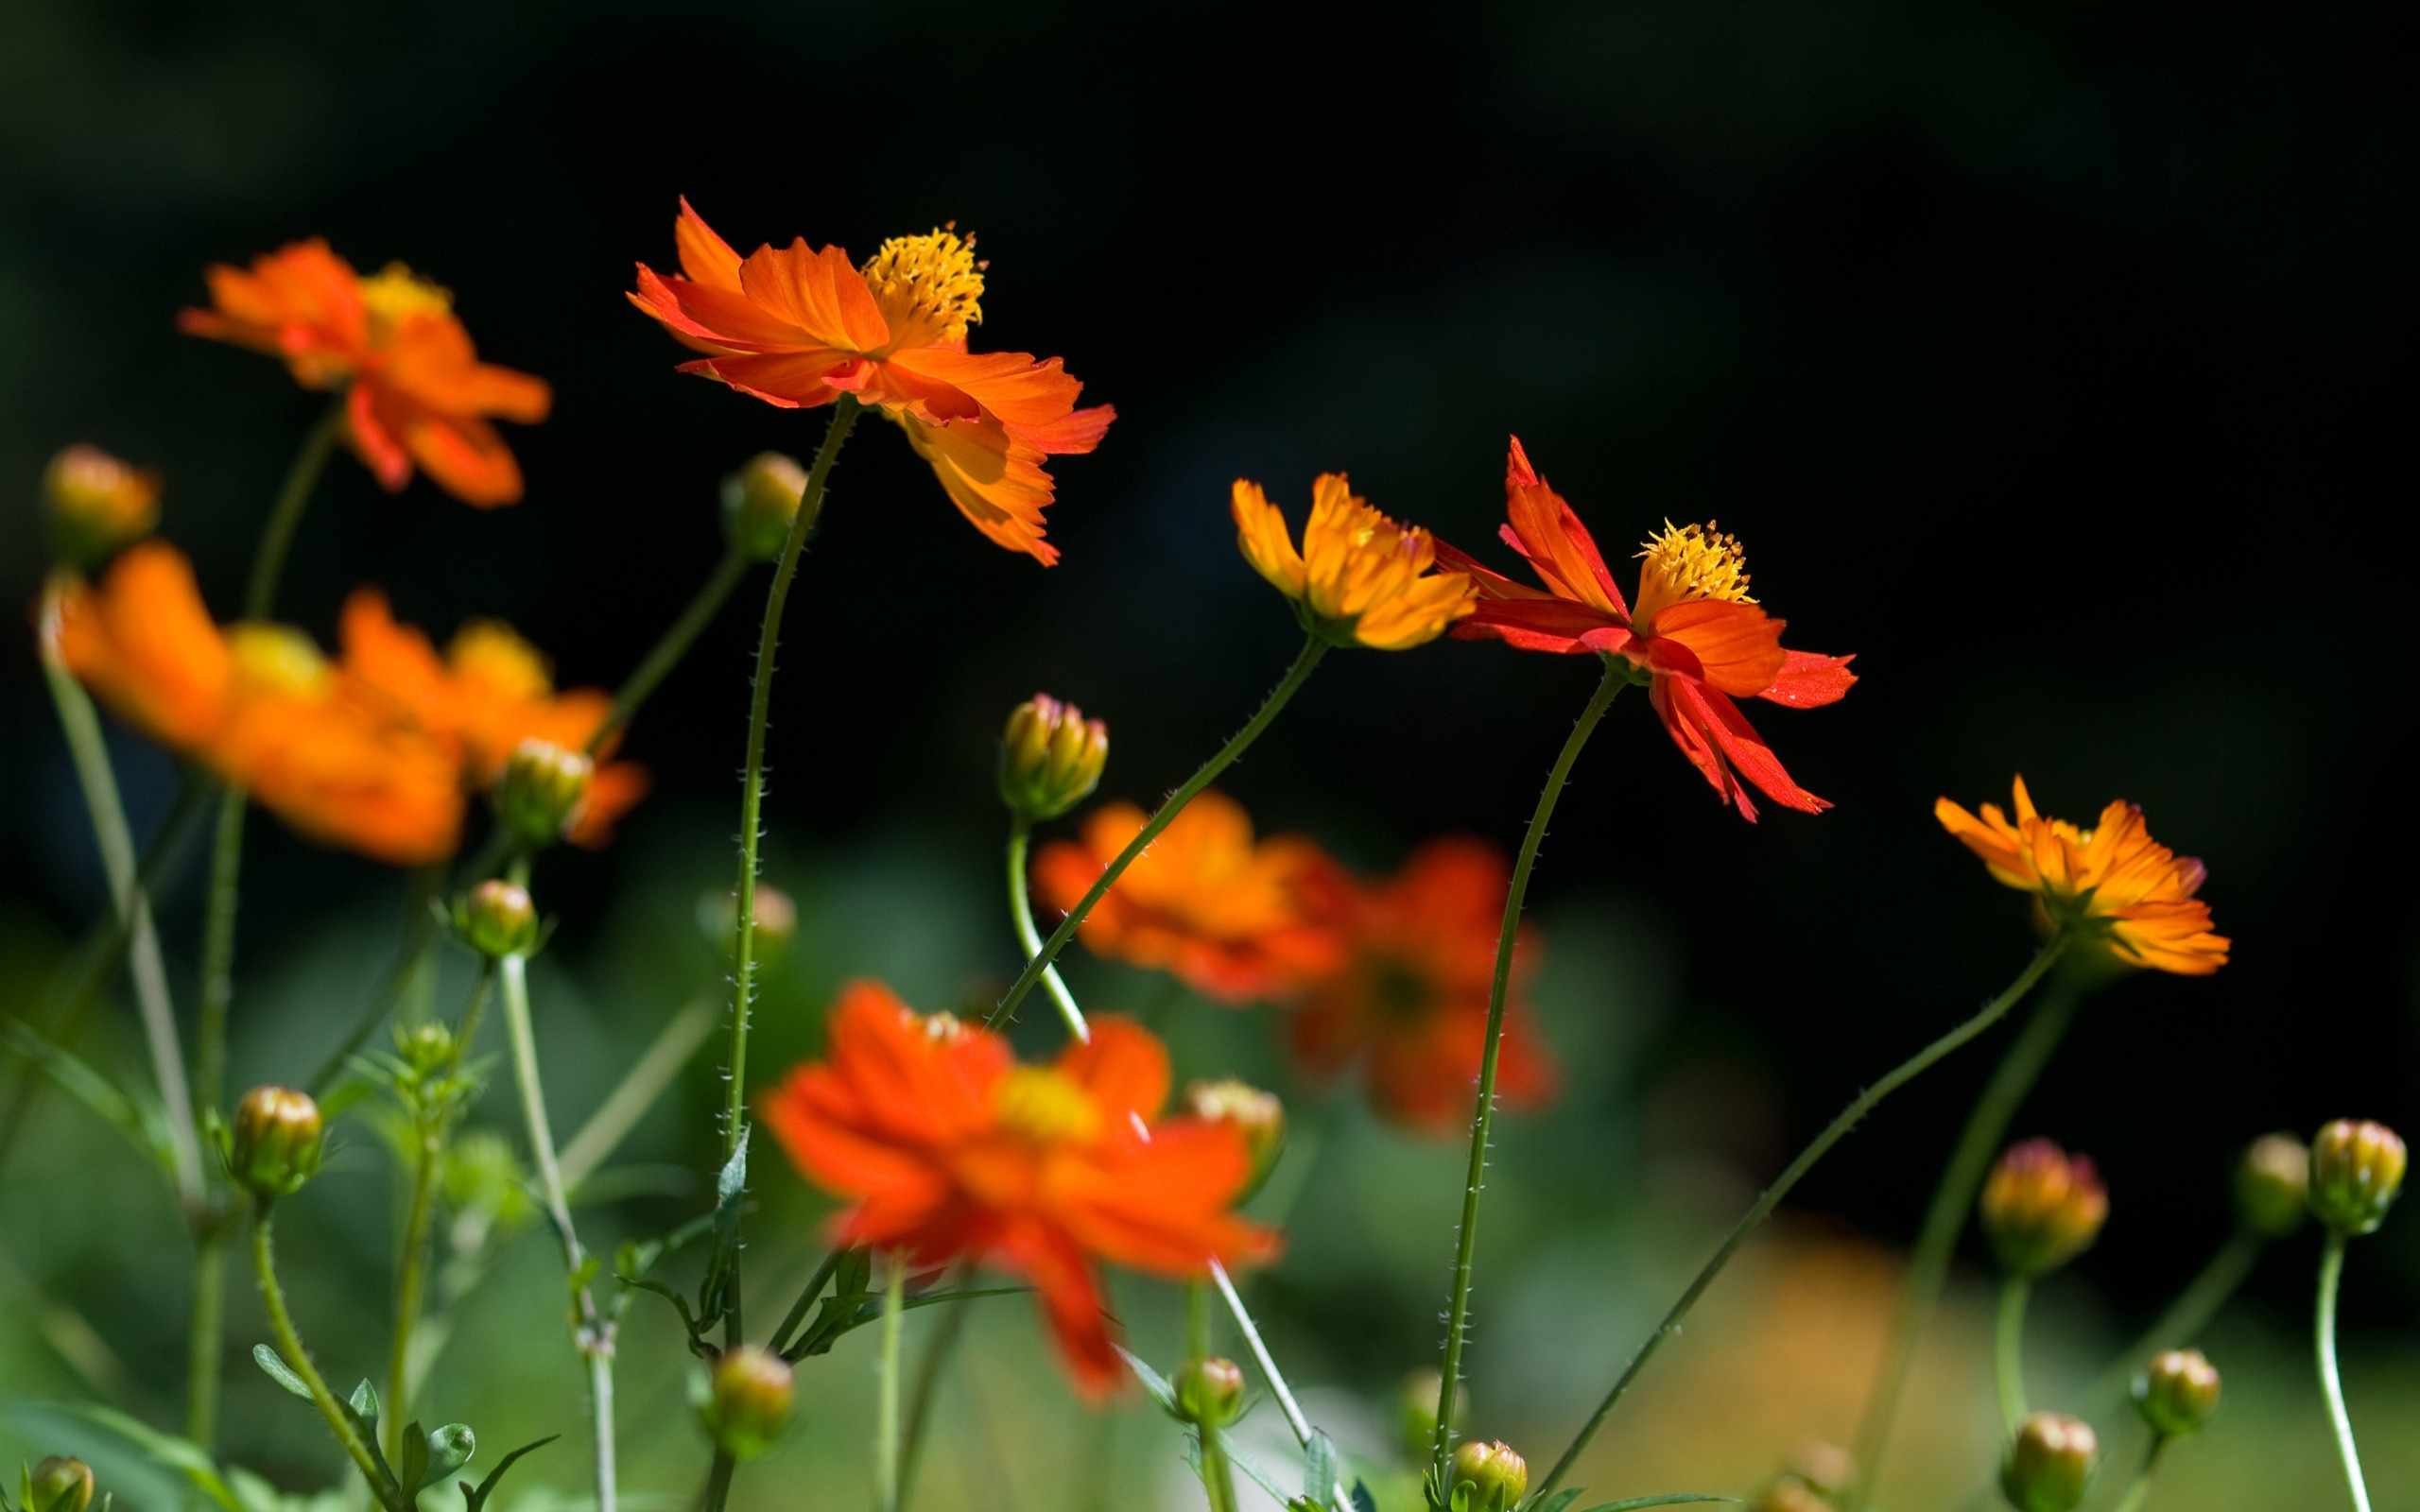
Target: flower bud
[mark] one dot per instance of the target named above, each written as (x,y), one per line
(424,1047)
(760,501)
(1789,1493)
(2049,1463)
(274,1146)
(1497,1477)
(2356,1170)
(1258,1116)
(747,1401)
(496,918)
(1050,758)
(1209,1391)
(1416,1410)
(2272,1185)
(59,1485)
(2177,1392)
(97,503)
(2041,1207)
(539,794)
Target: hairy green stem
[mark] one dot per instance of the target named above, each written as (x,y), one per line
(673,646)
(433,1127)
(2331,1272)
(885,1431)
(1268,1371)
(1864,1104)
(1458,1304)
(299,1358)
(1021,910)
(2008,1350)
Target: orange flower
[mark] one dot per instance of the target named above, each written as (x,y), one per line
(418,392)
(1360,578)
(948,1147)
(1695,637)
(2114,885)
(1235,920)
(799,328)
(257,705)
(1410,1002)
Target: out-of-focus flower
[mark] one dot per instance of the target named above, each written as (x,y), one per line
(2177,1392)
(1256,1114)
(2049,1463)
(948,1147)
(258,706)
(415,390)
(1051,758)
(760,501)
(747,1401)
(1694,637)
(2355,1171)
(1360,578)
(1235,919)
(1416,1410)
(274,1141)
(776,922)
(1409,1000)
(2120,890)
(799,328)
(97,503)
(2041,1207)
(2272,1185)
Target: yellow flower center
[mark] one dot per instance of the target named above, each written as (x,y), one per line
(398,293)
(280,658)
(492,654)
(930,287)
(1687,562)
(1045,1107)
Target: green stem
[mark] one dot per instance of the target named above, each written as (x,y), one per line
(894,1312)
(1268,1371)
(2331,1271)
(1483,1118)
(205,1335)
(2008,1350)
(2141,1485)
(290,1343)
(218,949)
(1021,910)
(411,1283)
(640,1087)
(1899,1076)
(293,497)
(672,646)
(919,1402)
(814,1288)
(420,933)
(1279,696)
(1947,1218)
(1218,1477)
(2184,1320)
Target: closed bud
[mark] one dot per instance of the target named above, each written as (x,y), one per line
(1209,1391)
(274,1144)
(2177,1392)
(2356,1170)
(1050,758)
(760,501)
(2042,1207)
(1497,1477)
(2049,1463)
(1258,1116)
(747,1401)
(2272,1185)
(496,918)
(424,1047)
(541,790)
(97,503)
(59,1485)
(1416,1410)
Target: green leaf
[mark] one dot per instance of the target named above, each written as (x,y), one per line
(1153,1382)
(279,1371)
(1672,1499)
(1362,1500)
(1558,1501)
(364,1403)
(414,1450)
(450,1448)
(475,1498)
(93,1089)
(1319,1468)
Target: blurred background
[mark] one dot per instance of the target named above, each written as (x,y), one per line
(2052,359)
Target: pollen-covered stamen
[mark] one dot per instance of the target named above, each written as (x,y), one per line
(930,287)
(1687,562)
(1045,1107)
(279,657)
(398,293)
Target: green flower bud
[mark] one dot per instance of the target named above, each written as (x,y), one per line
(97,503)
(760,501)
(274,1144)
(541,790)
(2049,1463)
(496,918)
(1416,1410)
(1497,1477)
(1050,758)
(1258,1116)
(59,1485)
(2177,1392)
(747,1402)
(2356,1170)
(2041,1207)
(2272,1185)
(426,1048)
(1209,1391)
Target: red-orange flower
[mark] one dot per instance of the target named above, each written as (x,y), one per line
(1409,1002)
(1233,919)
(799,328)
(417,390)
(1695,637)
(257,705)
(948,1147)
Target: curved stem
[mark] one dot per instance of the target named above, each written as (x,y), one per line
(2184,1320)
(1021,910)
(886,1446)
(2331,1271)
(675,643)
(1483,1118)
(434,1127)
(1899,1076)
(339,1422)
(2008,1350)
(2141,1487)
(293,497)
(1279,696)
(1268,1371)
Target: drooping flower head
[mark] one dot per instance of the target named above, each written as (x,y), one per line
(1233,920)
(415,390)
(799,328)
(2121,891)
(1360,578)
(1695,637)
(1409,1004)
(948,1147)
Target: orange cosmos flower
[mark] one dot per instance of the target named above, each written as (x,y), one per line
(1360,578)
(948,1147)
(257,705)
(1695,637)
(2114,885)
(799,328)
(1233,920)
(417,391)
(1410,1002)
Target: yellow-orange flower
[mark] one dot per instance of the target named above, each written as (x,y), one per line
(1360,578)
(2114,885)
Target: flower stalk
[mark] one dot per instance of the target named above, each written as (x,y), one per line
(674,644)
(290,1342)
(2008,1350)
(886,1440)
(2331,1272)
(1021,910)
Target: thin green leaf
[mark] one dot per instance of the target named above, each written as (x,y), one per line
(1318,1467)
(475,1498)
(279,1371)
(1154,1384)
(1558,1501)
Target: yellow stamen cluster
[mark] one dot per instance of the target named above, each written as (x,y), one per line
(1045,1107)
(932,281)
(397,294)
(1695,561)
(493,655)
(279,657)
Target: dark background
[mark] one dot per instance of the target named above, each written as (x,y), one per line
(2055,359)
